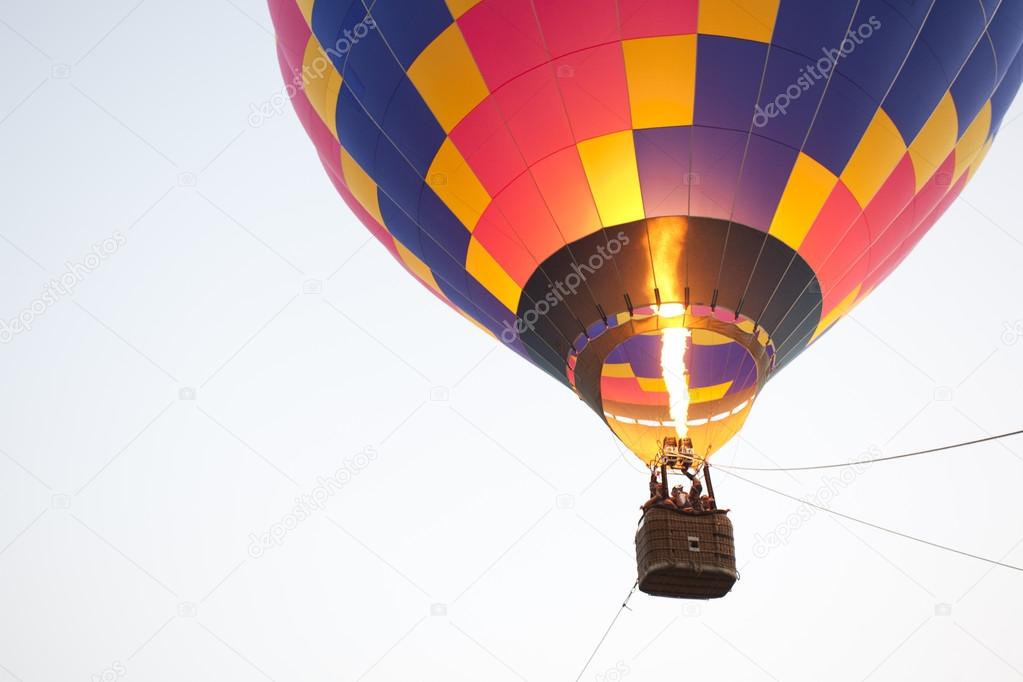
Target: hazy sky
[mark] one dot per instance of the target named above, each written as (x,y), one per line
(208,355)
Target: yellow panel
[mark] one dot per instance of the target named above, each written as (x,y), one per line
(652,385)
(706,394)
(749,19)
(662,80)
(447,77)
(618,370)
(847,304)
(455,183)
(935,141)
(972,141)
(979,158)
(306,7)
(417,267)
(876,156)
(610,165)
(361,185)
(460,7)
(322,83)
(488,272)
(808,188)
(705,337)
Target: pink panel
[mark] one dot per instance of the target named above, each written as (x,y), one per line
(484,140)
(594,90)
(522,205)
(935,190)
(909,242)
(531,104)
(563,183)
(292,30)
(627,390)
(504,38)
(836,247)
(326,145)
(646,18)
(570,26)
(501,240)
(895,194)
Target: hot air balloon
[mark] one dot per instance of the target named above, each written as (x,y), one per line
(659,203)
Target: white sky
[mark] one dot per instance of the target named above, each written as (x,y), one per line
(125,512)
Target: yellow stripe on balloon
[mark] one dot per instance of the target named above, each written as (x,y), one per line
(488,272)
(935,141)
(361,185)
(417,267)
(456,184)
(876,156)
(617,370)
(748,19)
(706,394)
(306,7)
(322,83)
(972,142)
(460,7)
(610,165)
(652,384)
(447,77)
(661,74)
(808,188)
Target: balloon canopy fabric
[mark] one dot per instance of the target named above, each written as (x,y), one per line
(660,203)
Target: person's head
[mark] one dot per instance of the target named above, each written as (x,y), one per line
(677,490)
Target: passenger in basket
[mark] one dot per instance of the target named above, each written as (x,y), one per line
(678,498)
(656,498)
(694,495)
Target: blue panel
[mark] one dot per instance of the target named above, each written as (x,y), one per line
(1006,92)
(397,178)
(330,21)
(951,31)
(874,65)
(808,26)
(1006,33)
(844,116)
(492,313)
(989,7)
(974,86)
(373,75)
(440,223)
(412,127)
(357,133)
(401,226)
(728,75)
(792,89)
(913,11)
(410,26)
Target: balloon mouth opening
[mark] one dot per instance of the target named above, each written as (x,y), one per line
(673,370)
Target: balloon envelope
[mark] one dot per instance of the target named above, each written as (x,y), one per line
(659,203)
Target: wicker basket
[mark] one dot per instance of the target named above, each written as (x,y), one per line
(685,555)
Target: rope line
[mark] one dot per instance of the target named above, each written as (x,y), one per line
(872,461)
(608,631)
(878,527)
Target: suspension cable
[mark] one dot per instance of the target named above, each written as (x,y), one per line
(878,527)
(872,461)
(608,631)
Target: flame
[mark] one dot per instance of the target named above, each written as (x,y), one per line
(676,376)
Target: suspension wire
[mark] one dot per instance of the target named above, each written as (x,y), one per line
(608,631)
(878,527)
(875,460)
